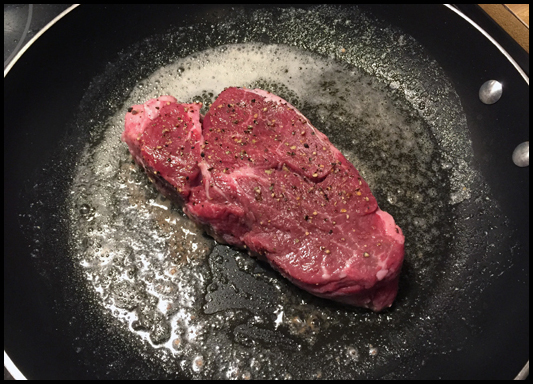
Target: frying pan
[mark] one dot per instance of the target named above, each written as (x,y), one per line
(463,306)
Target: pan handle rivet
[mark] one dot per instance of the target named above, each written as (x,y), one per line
(490,92)
(521,154)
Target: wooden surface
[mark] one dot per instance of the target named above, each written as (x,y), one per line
(513,18)
(521,11)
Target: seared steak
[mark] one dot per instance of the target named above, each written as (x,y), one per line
(257,175)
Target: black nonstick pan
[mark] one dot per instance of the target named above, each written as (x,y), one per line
(104,278)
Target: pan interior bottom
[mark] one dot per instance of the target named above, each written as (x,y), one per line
(214,311)
(192,306)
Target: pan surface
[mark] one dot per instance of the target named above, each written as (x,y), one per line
(105,279)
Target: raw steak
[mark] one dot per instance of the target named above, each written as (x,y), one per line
(257,175)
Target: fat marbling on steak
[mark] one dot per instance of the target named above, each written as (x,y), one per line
(257,175)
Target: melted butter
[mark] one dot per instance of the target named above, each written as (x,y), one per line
(209,311)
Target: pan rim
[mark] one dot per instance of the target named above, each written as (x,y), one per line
(9,364)
(37,35)
(492,40)
(12,368)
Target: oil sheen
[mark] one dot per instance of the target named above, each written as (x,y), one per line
(206,310)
